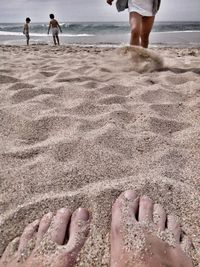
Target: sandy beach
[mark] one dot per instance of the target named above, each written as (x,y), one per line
(79,125)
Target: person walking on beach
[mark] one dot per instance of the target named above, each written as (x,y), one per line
(141,17)
(55,27)
(26,30)
(138,239)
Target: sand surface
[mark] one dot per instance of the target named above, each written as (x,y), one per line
(80,125)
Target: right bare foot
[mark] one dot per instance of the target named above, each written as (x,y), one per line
(56,241)
(139,241)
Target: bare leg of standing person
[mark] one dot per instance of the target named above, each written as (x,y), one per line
(147,24)
(54,40)
(135,24)
(27,40)
(136,238)
(58,41)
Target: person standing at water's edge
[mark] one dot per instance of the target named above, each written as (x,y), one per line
(26,30)
(55,27)
(141,17)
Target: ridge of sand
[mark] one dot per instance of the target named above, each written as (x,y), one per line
(80,125)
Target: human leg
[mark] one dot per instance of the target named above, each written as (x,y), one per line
(139,241)
(58,41)
(146,27)
(58,240)
(27,39)
(135,21)
(54,40)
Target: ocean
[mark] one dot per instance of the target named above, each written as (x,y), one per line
(180,33)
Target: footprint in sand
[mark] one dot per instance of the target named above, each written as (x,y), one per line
(118,118)
(89,125)
(35,131)
(24,95)
(5,71)
(162,126)
(122,116)
(105,70)
(47,74)
(150,81)
(87,108)
(66,150)
(91,84)
(50,68)
(176,79)
(23,154)
(57,91)
(19,86)
(162,96)
(173,158)
(7,79)
(71,80)
(168,110)
(172,164)
(115,90)
(112,100)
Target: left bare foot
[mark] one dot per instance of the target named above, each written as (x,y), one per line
(57,241)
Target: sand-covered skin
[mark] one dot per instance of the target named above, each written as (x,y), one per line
(80,125)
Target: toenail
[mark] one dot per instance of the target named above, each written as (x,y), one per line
(48,215)
(63,210)
(35,223)
(130,195)
(145,198)
(83,214)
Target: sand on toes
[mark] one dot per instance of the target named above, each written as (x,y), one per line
(143,235)
(52,241)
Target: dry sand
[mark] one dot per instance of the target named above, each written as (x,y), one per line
(80,125)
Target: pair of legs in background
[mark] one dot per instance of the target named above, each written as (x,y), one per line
(134,243)
(140,29)
(56,39)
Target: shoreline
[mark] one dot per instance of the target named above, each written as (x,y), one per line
(174,39)
(102,45)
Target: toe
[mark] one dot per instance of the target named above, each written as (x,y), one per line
(145,209)
(186,244)
(10,250)
(44,226)
(124,216)
(174,226)
(116,219)
(125,205)
(78,232)
(59,225)
(79,229)
(159,217)
(132,203)
(28,234)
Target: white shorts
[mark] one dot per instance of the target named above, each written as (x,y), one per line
(54,31)
(142,7)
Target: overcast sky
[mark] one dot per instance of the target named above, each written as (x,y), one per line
(89,10)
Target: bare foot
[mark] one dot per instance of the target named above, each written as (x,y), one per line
(139,239)
(52,241)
